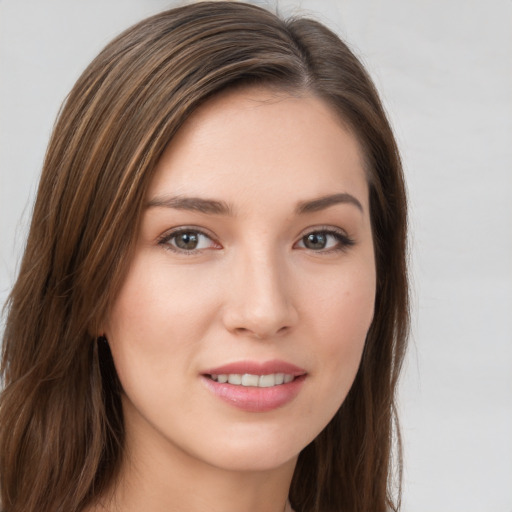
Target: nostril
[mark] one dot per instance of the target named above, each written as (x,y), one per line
(244,330)
(261,335)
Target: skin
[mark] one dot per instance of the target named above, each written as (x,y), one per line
(253,289)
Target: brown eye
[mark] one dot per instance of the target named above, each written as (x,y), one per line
(188,241)
(315,241)
(325,241)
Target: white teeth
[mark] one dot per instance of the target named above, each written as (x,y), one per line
(267,381)
(235,378)
(249,380)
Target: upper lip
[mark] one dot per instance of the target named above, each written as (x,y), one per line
(257,368)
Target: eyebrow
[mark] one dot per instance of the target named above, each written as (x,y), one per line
(326,201)
(216,207)
(210,206)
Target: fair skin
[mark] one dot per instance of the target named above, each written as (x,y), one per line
(255,250)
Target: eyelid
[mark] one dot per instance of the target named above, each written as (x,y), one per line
(170,233)
(345,241)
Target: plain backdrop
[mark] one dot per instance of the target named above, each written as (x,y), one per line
(444,69)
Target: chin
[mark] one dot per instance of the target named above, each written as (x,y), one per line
(259,460)
(254,451)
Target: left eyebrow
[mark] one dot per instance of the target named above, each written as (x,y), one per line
(326,201)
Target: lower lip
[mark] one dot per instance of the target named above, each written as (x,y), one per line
(254,399)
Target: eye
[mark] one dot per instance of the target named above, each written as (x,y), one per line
(325,240)
(187,240)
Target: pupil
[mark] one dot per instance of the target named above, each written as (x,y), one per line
(187,241)
(315,241)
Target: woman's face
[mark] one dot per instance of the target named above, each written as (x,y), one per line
(240,325)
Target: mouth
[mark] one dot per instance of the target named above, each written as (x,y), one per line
(251,380)
(255,387)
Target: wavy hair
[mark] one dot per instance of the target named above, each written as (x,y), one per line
(61,421)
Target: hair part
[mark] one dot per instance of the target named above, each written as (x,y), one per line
(61,422)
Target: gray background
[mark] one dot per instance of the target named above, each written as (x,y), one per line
(444,69)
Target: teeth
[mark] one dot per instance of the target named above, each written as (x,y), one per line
(235,378)
(249,380)
(267,381)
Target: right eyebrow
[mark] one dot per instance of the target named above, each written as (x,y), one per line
(198,204)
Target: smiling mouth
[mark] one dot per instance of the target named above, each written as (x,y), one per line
(250,380)
(255,387)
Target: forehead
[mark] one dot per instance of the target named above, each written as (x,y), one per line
(265,140)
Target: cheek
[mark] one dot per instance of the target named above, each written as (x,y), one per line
(143,321)
(345,305)
(353,311)
(157,301)
(159,321)
(343,315)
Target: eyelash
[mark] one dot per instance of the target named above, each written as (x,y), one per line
(344,242)
(165,240)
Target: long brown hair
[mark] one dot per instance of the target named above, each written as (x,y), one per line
(61,422)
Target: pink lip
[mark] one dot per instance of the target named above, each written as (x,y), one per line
(257,368)
(255,399)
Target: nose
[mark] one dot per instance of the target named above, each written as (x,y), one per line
(260,300)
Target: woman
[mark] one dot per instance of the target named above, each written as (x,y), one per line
(211,311)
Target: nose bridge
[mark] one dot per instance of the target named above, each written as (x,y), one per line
(260,301)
